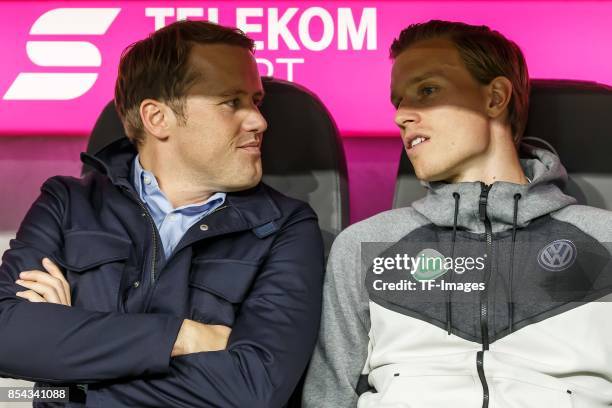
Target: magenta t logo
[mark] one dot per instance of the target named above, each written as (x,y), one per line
(62,86)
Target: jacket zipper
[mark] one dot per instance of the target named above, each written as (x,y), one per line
(154,235)
(148,302)
(215,210)
(483,379)
(484,312)
(153,228)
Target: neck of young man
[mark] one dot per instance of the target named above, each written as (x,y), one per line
(499,162)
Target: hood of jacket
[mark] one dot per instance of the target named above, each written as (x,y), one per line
(504,200)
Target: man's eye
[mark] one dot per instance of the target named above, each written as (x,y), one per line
(233,103)
(428,90)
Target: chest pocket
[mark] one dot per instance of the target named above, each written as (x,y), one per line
(93,262)
(217,287)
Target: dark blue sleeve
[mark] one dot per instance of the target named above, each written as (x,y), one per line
(271,340)
(56,343)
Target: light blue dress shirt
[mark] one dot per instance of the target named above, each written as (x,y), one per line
(172,223)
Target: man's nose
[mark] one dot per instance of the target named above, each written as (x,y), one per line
(406,116)
(255,122)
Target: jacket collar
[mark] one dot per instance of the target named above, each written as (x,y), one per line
(254,206)
(114,161)
(540,197)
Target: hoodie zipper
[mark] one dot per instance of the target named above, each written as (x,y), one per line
(484,312)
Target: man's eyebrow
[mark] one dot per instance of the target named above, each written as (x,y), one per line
(426,75)
(241,92)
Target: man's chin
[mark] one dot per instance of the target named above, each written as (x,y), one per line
(243,184)
(428,176)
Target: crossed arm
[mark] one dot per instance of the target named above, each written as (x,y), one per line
(51,286)
(127,357)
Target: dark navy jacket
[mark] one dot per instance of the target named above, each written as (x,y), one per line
(255,264)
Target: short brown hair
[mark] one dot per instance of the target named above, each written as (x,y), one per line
(157,67)
(486,54)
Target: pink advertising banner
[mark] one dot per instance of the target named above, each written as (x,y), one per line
(60,58)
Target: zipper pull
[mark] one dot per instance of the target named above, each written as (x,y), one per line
(482,202)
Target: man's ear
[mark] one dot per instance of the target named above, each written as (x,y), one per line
(499,93)
(157,118)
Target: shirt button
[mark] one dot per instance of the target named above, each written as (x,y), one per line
(172,217)
(147,180)
(136,284)
(204,227)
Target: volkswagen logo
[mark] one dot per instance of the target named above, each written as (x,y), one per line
(558,255)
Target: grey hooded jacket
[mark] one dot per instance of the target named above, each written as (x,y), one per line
(529,325)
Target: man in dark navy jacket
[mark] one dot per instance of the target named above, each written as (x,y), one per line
(170,276)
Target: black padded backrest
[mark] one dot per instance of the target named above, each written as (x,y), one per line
(571,118)
(302,152)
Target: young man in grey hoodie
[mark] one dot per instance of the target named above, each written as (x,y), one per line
(527,325)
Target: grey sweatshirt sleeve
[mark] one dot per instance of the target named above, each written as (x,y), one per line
(342,348)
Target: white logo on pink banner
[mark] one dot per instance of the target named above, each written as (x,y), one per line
(62,85)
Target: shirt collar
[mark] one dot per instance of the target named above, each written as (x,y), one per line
(147,187)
